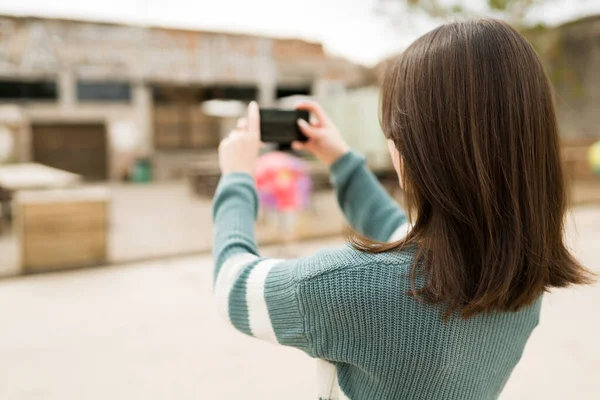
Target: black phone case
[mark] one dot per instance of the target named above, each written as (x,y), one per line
(281,127)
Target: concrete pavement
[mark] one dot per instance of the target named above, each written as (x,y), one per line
(150,331)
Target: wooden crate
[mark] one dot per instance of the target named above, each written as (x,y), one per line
(62,229)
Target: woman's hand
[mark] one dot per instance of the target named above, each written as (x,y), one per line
(238,151)
(324,140)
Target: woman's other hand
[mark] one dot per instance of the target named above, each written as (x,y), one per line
(238,152)
(324,140)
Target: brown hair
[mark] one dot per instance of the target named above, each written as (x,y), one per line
(470,110)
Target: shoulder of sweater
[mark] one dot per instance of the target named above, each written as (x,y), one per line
(347,260)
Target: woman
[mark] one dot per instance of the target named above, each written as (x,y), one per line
(441,310)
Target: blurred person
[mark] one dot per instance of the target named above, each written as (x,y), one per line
(437,302)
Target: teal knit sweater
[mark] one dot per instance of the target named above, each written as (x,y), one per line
(351,311)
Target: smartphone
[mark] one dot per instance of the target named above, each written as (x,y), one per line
(281,126)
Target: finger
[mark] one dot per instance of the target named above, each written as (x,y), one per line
(242,124)
(224,143)
(253,120)
(312,132)
(314,108)
(234,133)
(298,146)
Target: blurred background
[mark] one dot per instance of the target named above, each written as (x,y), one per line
(110,116)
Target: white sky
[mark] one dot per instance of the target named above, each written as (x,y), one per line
(349,28)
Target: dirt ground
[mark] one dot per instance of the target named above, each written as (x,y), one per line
(150,331)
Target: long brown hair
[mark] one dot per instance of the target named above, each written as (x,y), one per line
(470,109)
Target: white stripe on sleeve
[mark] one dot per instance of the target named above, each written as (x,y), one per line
(228,274)
(258,313)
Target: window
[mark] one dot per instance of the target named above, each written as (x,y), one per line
(28,90)
(286,91)
(242,93)
(181,126)
(179,122)
(103,91)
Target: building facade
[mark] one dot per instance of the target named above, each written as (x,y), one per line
(96,96)
(571,55)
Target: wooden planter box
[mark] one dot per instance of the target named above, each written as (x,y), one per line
(62,229)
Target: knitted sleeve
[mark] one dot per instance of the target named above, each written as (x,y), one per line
(257,295)
(368,208)
(263,297)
